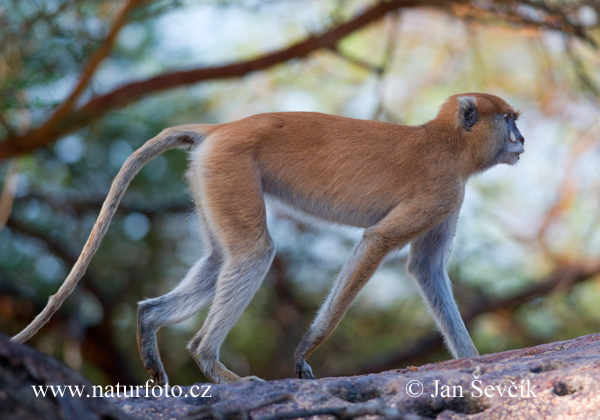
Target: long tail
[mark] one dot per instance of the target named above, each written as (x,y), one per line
(185,136)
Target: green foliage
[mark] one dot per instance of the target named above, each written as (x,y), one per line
(152,241)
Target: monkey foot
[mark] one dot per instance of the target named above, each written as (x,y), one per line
(159,377)
(303,370)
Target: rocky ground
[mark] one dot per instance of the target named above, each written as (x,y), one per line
(558,380)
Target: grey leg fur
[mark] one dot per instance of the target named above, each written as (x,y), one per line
(363,262)
(238,282)
(427,264)
(193,293)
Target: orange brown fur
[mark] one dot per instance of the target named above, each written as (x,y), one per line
(401,183)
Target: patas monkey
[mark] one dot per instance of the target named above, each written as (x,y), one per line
(402,184)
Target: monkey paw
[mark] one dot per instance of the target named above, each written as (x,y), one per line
(158,377)
(303,370)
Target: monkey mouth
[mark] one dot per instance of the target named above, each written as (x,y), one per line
(513,158)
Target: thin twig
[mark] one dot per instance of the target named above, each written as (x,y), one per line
(388,57)
(93,63)
(355,61)
(583,76)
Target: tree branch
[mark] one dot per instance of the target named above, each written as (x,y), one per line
(98,106)
(68,118)
(93,63)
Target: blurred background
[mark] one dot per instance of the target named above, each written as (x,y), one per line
(83,84)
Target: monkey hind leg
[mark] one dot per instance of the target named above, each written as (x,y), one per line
(232,197)
(192,294)
(238,282)
(195,292)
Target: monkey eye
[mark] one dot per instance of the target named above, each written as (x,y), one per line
(508,116)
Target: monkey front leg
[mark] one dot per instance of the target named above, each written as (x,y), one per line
(428,255)
(356,272)
(401,225)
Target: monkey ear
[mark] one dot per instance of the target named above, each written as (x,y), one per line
(468,114)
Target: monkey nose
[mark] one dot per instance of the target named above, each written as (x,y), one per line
(522,139)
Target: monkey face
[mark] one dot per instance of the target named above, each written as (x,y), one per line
(511,140)
(515,143)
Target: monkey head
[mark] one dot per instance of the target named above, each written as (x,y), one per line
(489,127)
